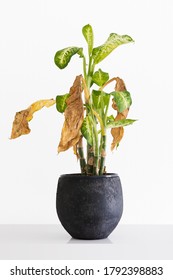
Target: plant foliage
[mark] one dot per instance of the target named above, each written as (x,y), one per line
(87,104)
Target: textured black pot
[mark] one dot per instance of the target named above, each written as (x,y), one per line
(89,207)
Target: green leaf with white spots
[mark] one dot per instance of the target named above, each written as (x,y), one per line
(114,40)
(123,100)
(63,57)
(89,37)
(119,123)
(87,130)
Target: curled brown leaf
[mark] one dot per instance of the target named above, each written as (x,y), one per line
(20,123)
(74,115)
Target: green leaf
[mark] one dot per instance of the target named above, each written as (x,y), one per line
(61,102)
(89,37)
(63,57)
(106,97)
(96,97)
(119,123)
(87,130)
(100,77)
(110,119)
(123,100)
(80,53)
(114,40)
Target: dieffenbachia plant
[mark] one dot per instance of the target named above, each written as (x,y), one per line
(86,105)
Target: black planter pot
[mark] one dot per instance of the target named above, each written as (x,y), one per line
(89,207)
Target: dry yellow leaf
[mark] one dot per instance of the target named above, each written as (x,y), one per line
(118,132)
(20,123)
(74,115)
(38,105)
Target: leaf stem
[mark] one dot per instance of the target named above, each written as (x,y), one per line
(86,91)
(107,83)
(106,112)
(84,68)
(100,121)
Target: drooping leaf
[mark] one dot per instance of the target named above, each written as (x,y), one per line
(122,99)
(38,105)
(114,40)
(100,77)
(20,123)
(61,102)
(118,132)
(63,57)
(119,123)
(89,37)
(74,115)
(87,130)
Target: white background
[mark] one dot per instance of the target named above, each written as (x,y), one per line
(31,32)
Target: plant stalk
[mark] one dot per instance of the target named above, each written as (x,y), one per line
(81,156)
(103,140)
(103,154)
(96,150)
(90,159)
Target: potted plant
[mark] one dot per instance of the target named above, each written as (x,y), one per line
(89,204)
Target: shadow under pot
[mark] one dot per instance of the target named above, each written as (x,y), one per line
(89,207)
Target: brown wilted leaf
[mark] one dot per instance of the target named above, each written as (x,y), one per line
(20,123)
(120,85)
(74,115)
(118,132)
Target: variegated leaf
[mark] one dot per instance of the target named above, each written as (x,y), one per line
(119,123)
(63,57)
(118,132)
(89,37)
(114,40)
(122,99)
(87,130)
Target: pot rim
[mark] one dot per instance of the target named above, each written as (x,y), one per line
(77,175)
